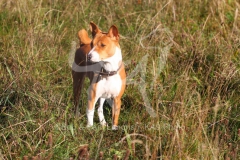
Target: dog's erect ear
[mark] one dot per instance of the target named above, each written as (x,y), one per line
(83,37)
(113,32)
(94,29)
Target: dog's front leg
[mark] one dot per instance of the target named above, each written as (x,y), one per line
(115,112)
(100,112)
(92,99)
(90,113)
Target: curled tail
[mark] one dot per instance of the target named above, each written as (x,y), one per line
(83,37)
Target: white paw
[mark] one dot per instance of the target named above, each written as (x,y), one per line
(89,125)
(114,127)
(103,123)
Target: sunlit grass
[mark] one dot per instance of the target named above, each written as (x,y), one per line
(191,79)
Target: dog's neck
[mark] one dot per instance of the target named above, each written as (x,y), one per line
(113,63)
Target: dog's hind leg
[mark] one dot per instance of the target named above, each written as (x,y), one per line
(100,112)
(78,80)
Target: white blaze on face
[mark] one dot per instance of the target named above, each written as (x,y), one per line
(94,55)
(112,63)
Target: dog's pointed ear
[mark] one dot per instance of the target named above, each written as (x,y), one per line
(94,29)
(113,32)
(83,37)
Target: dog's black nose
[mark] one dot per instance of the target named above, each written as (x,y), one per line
(89,56)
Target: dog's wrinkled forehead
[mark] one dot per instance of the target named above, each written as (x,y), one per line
(98,37)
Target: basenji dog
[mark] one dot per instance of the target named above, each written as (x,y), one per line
(100,59)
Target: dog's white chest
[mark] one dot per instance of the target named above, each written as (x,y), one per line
(109,87)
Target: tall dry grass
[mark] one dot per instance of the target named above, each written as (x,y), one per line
(181,56)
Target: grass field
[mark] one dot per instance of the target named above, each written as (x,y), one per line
(182,99)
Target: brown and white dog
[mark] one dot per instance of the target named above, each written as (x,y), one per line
(100,59)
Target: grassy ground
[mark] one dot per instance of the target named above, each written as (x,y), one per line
(182,60)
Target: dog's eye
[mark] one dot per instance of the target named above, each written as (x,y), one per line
(103,45)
